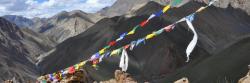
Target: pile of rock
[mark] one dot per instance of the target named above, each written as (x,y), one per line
(120,77)
(182,80)
(8,81)
(79,76)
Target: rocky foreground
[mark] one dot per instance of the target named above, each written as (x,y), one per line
(81,76)
(246,79)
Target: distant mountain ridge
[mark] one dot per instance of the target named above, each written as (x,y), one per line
(20,21)
(59,27)
(68,24)
(121,7)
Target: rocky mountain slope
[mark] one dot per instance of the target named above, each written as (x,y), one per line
(240,4)
(14,61)
(67,24)
(36,43)
(19,50)
(59,27)
(38,23)
(121,7)
(221,31)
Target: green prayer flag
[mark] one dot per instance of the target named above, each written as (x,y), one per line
(175,2)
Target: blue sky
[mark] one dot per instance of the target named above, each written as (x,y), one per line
(47,8)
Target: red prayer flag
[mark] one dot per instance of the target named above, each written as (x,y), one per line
(71,70)
(126,47)
(144,23)
(169,28)
(95,62)
(112,43)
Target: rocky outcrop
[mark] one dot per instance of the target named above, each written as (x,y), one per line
(182,80)
(237,4)
(120,77)
(245,79)
(79,76)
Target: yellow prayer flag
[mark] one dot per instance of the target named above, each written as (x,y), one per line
(77,67)
(131,32)
(54,74)
(117,51)
(166,8)
(81,64)
(150,36)
(95,66)
(201,8)
(102,51)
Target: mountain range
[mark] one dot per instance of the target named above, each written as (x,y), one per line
(20,21)
(37,46)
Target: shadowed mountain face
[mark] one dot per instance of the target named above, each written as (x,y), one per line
(14,61)
(97,36)
(226,66)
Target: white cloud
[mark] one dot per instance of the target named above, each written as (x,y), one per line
(33,8)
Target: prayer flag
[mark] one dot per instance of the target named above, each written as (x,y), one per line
(166,8)
(124,60)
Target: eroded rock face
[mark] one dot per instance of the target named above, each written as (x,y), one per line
(14,60)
